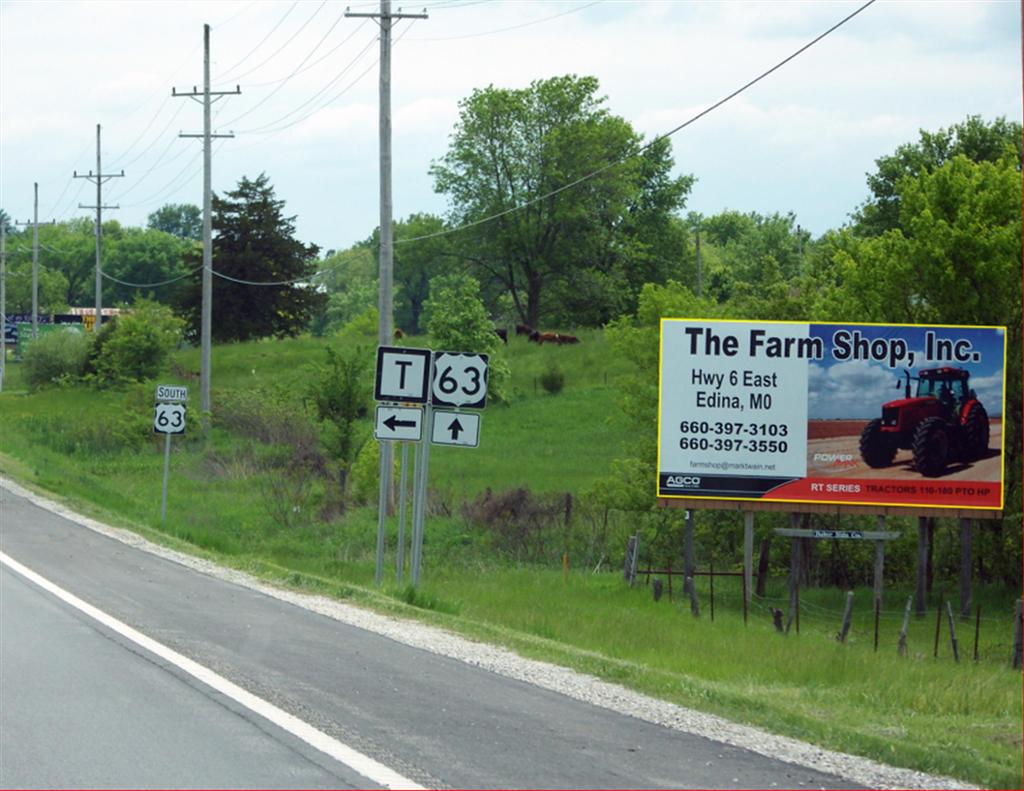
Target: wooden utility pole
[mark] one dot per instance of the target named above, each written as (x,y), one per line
(98,178)
(35,256)
(3,301)
(385,301)
(206,97)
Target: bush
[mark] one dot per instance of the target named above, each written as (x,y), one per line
(54,356)
(138,347)
(552,380)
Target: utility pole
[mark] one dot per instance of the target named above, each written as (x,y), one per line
(208,97)
(699,289)
(3,301)
(98,178)
(35,257)
(386,259)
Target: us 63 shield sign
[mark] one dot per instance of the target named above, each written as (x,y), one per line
(169,419)
(460,380)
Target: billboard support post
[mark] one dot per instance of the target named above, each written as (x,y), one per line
(748,557)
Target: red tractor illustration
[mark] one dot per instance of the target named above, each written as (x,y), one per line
(942,423)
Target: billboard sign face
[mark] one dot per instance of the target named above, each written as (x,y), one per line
(855,414)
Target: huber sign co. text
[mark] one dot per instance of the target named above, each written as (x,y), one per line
(831,413)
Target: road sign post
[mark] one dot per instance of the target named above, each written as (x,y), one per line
(405,379)
(168,419)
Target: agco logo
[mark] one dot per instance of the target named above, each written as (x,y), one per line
(683,481)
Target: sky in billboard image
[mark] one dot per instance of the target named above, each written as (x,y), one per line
(857,388)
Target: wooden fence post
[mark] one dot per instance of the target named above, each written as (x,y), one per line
(966,564)
(902,648)
(847,615)
(977,631)
(1017,636)
(878,608)
(748,559)
(711,579)
(952,632)
(938,625)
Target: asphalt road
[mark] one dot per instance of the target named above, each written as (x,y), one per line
(80,707)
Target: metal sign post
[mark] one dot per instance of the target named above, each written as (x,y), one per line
(403,487)
(168,418)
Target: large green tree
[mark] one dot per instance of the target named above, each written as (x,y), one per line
(572,191)
(974,138)
(183,220)
(255,243)
(143,256)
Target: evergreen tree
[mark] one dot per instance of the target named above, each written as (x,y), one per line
(254,242)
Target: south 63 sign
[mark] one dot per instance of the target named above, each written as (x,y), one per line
(460,380)
(169,419)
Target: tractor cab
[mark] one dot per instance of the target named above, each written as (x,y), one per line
(948,385)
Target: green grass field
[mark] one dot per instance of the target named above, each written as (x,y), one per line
(930,714)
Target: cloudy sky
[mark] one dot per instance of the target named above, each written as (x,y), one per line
(799,141)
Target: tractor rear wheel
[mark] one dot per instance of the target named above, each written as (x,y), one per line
(931,447)
(876,447)
(976,432)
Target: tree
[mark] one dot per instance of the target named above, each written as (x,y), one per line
(144,255)
(255,242)
(973,138)
(458,322)
(183,220)
(524,148)
(416,263)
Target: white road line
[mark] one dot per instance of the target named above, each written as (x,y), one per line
(363,764)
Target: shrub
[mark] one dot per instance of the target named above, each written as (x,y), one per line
(140,344)
(54,356)
(340,396)
(552,379)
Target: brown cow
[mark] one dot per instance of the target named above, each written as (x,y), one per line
(524,329)
(502,333)
(399,335)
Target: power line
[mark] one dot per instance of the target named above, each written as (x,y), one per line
(262,41)
(316,62)
(512,27)
(267,128)
(284,82)
(653,142)
(278,51)
(152,285)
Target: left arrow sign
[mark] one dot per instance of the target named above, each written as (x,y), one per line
(399,423)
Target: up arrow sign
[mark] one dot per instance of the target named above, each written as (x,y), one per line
(455,428)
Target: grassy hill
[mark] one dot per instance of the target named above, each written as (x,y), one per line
(94,448)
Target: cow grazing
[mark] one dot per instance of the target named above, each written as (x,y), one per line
(399,335)
(502,333)
(524,329)
(552,337)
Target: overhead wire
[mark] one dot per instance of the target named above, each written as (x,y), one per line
(510,27)
(278,51)
(282,83)
(271,127)
(317,62)
(223,75)
(652,142)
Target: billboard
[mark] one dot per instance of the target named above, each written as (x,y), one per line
(855,414)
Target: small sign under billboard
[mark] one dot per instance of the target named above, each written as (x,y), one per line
(857,414)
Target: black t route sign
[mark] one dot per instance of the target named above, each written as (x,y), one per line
(402,375)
